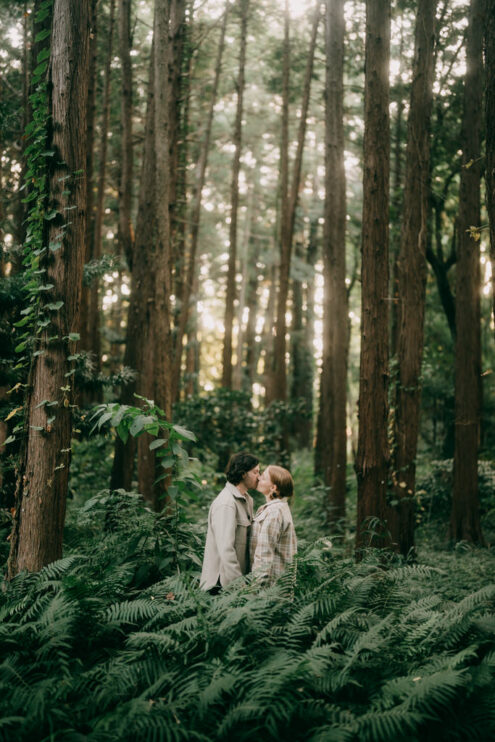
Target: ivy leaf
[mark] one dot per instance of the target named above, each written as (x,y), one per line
(123,432)
(42,35)
(104,418)
(157,443)
(184,433)
(40,69)
(138,424)
(12,413)
(44,54)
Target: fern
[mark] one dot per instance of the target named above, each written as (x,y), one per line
(114,642)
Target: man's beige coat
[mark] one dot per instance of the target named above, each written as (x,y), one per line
(227,540)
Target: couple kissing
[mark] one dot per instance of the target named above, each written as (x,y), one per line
(238,542)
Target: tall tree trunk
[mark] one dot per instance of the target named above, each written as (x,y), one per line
(490,132)
(177,29)
(90,133)
(412,281)
(234,199)
(252,347)
(246,269)
(440,264)
(140,290)
(125,231)
(270,348)
(396,201)
(156,372)
(179,215)
(278,387)
(192,348)
(43,477)
(94,304)
(465,516)
(332,438)
(373,456)
(191,269)
(301,387)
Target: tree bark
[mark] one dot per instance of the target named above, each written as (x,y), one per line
(373,456)
(94,304)
(411,270)
(490,132)
(155,367)
(43,477)
(301,336)
(90,133)
(177,27)
(125,231)
(234,197)
(465,515)
(332,438)
(137,335)
(247,268)
(191,268)
(278,387)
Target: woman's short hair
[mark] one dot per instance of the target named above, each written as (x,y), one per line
(283,481)
(239,465)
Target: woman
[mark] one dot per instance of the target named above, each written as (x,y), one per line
(273,538)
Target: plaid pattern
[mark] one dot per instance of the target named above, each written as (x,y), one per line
(273,541)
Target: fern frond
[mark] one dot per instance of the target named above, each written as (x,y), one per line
(380,726)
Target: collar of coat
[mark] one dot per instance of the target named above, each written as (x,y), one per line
(233,489)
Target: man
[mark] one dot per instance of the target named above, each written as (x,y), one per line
(229,523)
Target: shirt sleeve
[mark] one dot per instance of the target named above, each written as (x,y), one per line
(224,527)
(265,548)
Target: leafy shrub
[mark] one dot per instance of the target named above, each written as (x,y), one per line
(434,493)
(225,421)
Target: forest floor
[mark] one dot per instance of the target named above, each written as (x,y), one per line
(117,642)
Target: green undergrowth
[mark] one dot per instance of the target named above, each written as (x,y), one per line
(117,642)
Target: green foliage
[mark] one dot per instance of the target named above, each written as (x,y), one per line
(112,643)
(225,421)
(97,268)
(434,493)
(167,437)
(35,188)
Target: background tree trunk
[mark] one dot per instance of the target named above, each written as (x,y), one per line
(278,387)
(332,439)
(125,231)
(156,371)
(490,132)
(234,197)
(191,267)
(372,461)
(411,271)
(42,485)
(94,304)
(140,291)
(91,115)
(465,516)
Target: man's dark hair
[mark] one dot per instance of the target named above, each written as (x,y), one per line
(239,465)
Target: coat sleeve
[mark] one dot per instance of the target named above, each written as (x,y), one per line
(224,528)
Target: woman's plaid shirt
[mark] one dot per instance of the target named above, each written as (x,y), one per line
(273,541)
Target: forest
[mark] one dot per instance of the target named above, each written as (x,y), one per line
(262,226)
